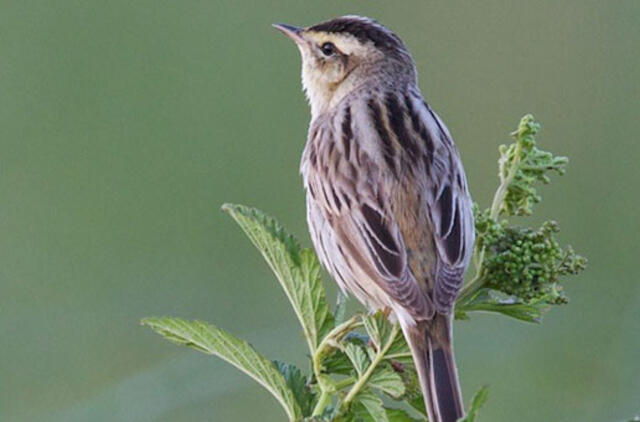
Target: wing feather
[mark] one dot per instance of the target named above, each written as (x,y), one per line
(450,212)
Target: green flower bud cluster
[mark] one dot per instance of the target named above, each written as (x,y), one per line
(522,164)
(526,262)
(518,269)
(488,230)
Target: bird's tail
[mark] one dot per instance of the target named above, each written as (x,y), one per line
(432,349)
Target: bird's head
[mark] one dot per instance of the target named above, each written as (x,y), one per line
(346,53)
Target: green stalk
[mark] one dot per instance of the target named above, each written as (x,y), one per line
(327,343)
(362,381)
(498,199)
(322,404)
(345,383)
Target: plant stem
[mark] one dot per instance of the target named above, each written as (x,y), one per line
(323,401)
(345,383)
(326,343)
(374,363)
(498,199)
(502,190)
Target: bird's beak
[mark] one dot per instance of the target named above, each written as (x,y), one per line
(290,31)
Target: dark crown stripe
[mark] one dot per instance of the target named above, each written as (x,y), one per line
(387,145)
(363,29)
(395,114)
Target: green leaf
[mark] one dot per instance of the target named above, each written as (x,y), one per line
(413,392)
(371,352)
(334,360)
(214,341)
(297,269)
(379,331)
(522,166)
(399,351)
(378,328)
(489,300)
(373,404)
(399,415)
(418,404)
(359,413)
(358,357)
(337,362)
(341,307)
(388,381)
(298,385)
(479,400)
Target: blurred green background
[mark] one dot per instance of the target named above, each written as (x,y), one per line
(125,125)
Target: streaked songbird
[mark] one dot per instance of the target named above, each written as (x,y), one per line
(387,201)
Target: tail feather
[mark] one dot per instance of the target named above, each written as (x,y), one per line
(432,350)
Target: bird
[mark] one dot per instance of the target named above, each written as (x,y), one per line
(388,206)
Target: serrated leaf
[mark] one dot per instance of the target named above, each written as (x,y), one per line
(412,391)
(399,351)
(387,381)
(297,383)
(373,404)
(479,400)
(337,362)
(371,353)
(341,308)
(399,415)
(359,413)
(418,404)
(358,357)
(214,341)
(522,165)
(378,328)
(297,269)
(489,300)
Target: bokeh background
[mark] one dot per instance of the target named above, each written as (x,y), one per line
(125,125)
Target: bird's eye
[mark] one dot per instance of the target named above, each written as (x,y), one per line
(328,49)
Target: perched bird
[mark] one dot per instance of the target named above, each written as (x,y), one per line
(387,201)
